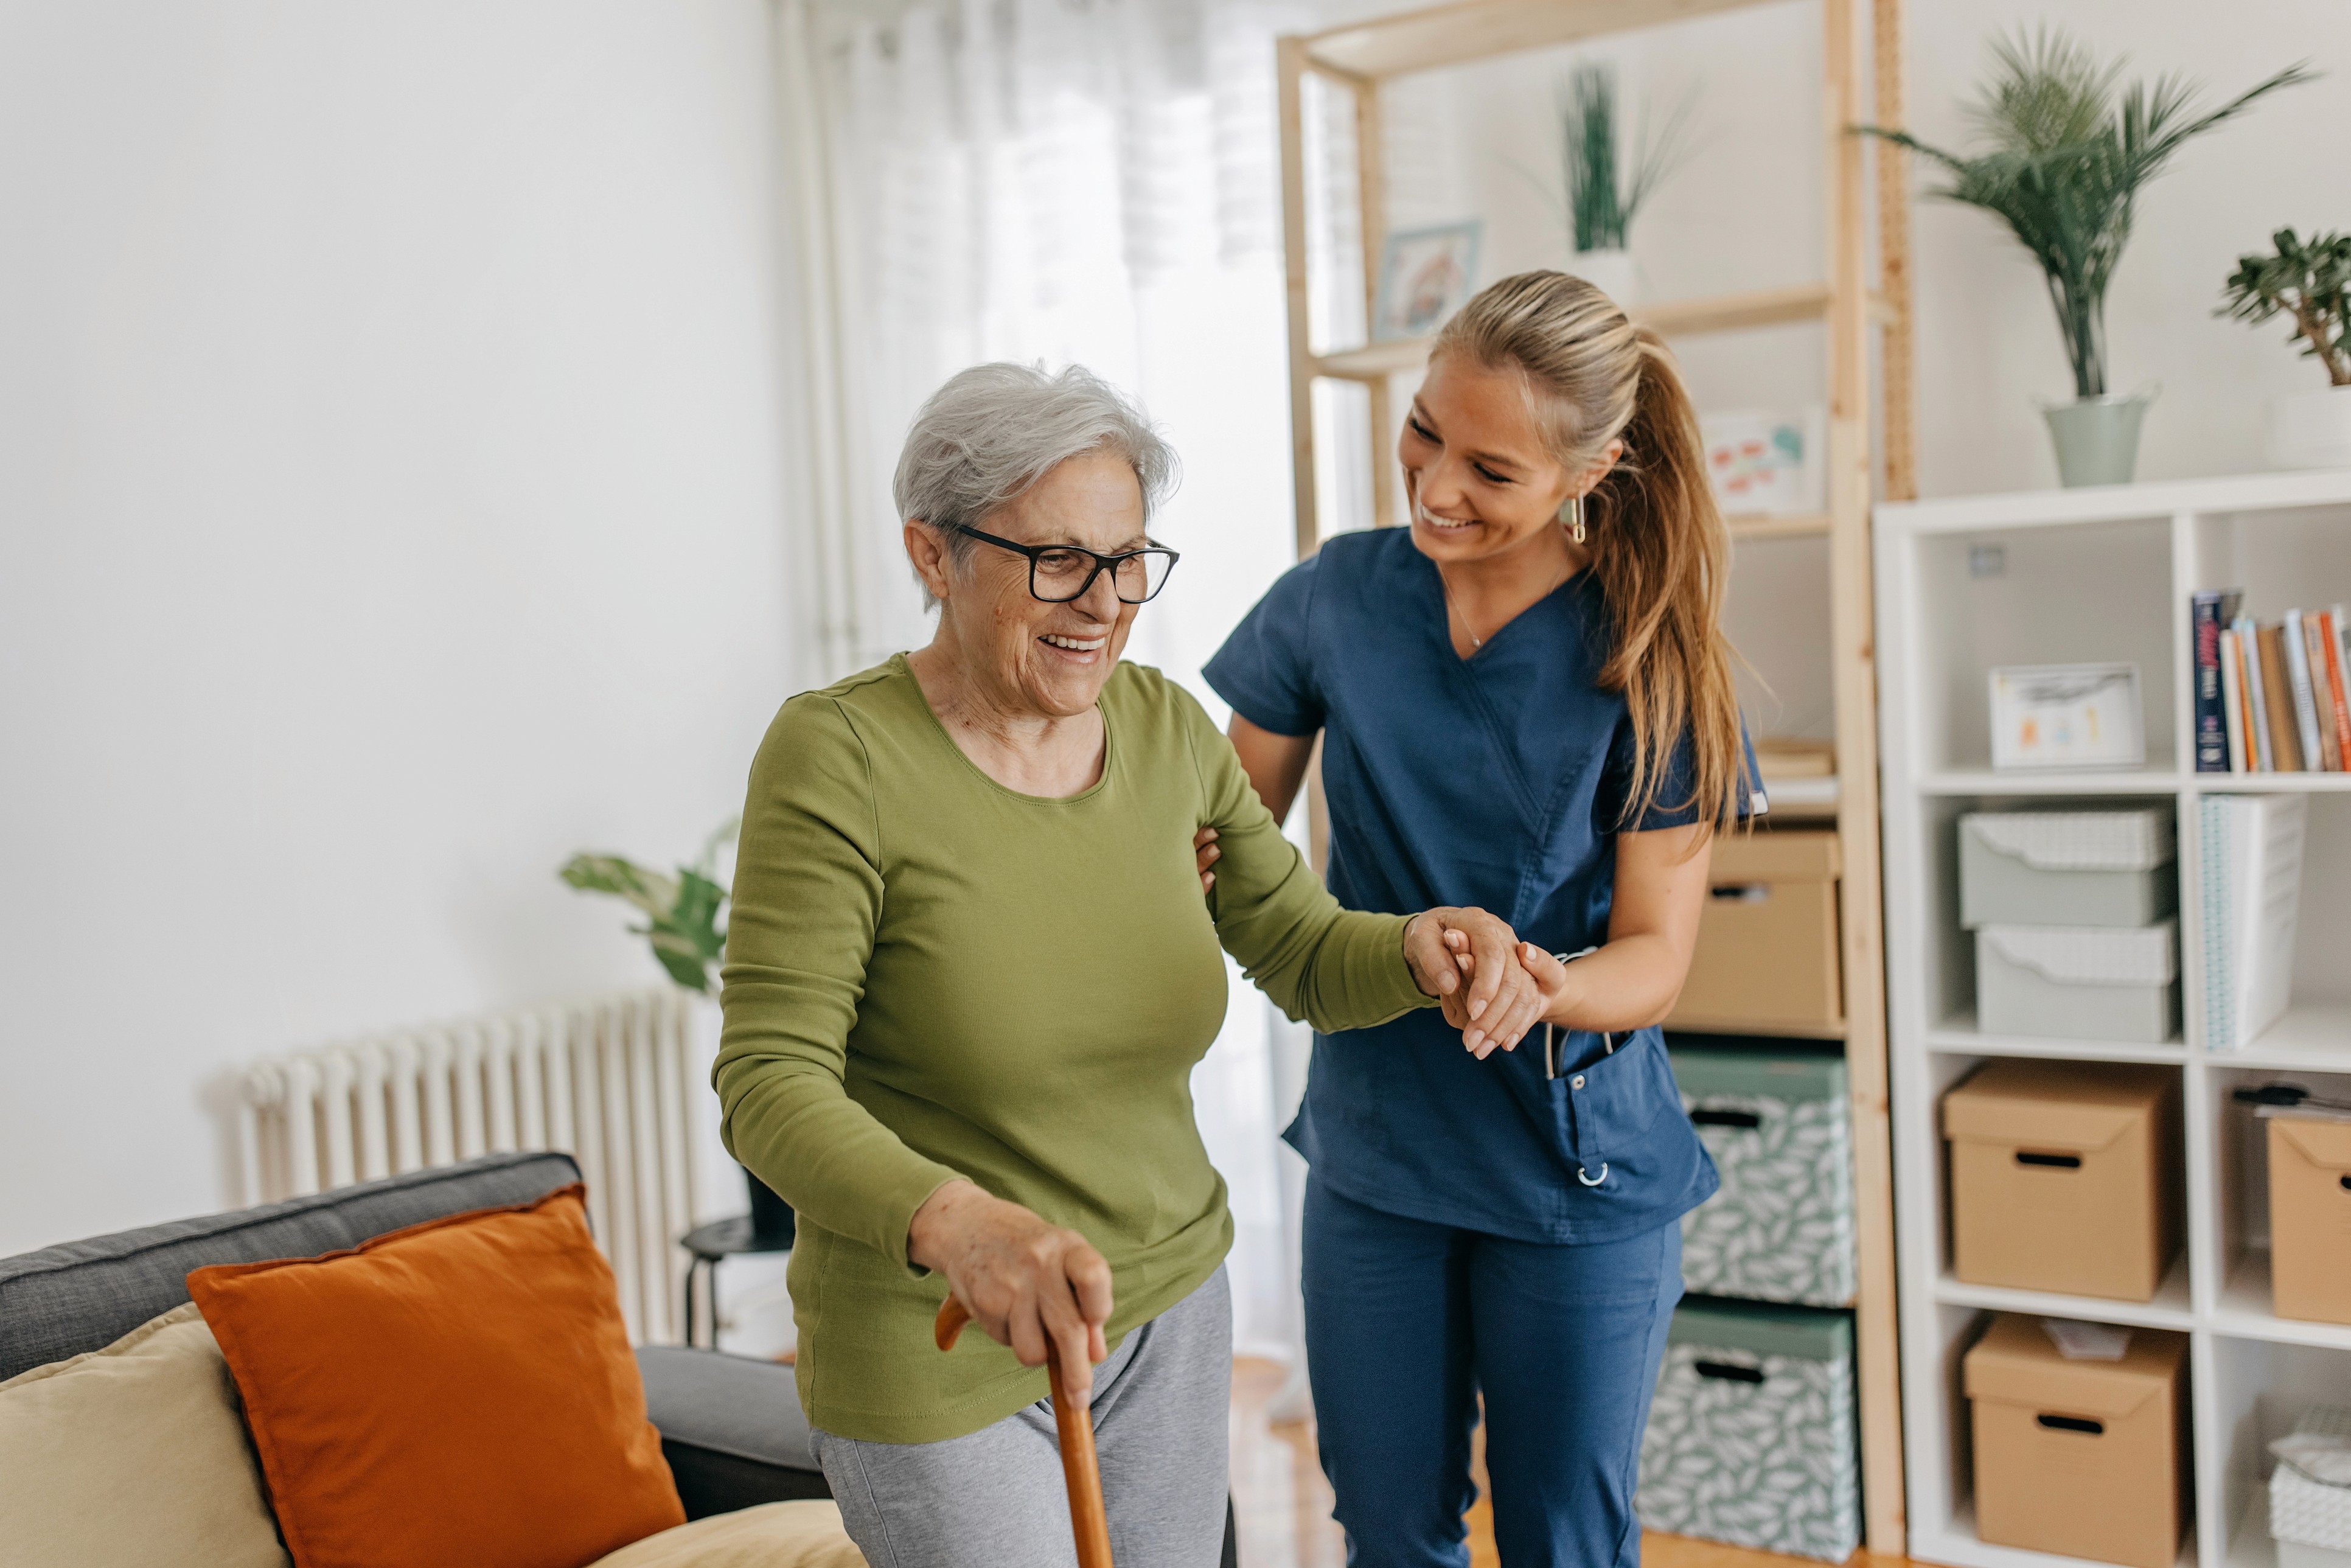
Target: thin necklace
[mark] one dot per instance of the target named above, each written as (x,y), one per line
(1476,642)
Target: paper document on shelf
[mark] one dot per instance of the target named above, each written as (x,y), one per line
(2078,1341)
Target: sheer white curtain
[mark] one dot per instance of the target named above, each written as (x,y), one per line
(1069,181)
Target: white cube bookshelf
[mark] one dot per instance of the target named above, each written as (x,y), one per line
(2097,576)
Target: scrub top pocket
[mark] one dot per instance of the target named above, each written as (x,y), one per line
(1612,1110)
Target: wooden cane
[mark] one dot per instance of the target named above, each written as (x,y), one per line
(1080,1467)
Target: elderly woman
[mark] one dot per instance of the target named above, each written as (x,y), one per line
(969,971)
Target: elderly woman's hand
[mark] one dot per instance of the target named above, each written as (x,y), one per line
(1025,1281)
(1469,961)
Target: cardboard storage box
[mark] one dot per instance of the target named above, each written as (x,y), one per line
(2310,1218)
(2084,1459)
(1767,942)
(2309,1514)
(2079,982)
(2068,867)
(1781,1132)
(1751,1437)
(2066,1176)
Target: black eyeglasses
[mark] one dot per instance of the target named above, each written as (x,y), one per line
(1059,573)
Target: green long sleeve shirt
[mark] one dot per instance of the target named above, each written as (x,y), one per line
(930,976)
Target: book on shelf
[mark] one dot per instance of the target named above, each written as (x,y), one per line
(2272,697)
(2257,707)
(2232,703)
(2251,863)
(2210,612)
(2293,641)
(2325,632)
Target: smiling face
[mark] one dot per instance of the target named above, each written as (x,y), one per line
(1023,655)
(1478,474)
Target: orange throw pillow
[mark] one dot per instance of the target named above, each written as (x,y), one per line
(458,1392)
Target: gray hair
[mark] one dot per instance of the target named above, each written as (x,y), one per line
(995,430)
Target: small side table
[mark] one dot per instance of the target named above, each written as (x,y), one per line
(711,1244)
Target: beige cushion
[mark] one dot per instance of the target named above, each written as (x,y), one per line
(773,1535)
(134,1456)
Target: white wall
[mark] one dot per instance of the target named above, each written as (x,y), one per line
(391,481)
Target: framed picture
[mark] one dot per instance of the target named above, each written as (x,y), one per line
(1426,275)
(1767,463)
(2067,716)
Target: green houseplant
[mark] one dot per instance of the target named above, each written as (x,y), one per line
(683,915)
(1606,183)
(2309,282)
(682,911)
(2065,153)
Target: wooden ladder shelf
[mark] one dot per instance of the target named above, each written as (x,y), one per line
(1357,60)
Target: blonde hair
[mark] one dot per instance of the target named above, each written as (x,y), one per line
(1659,550)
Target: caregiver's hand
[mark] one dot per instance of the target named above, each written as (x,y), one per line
(1025,1281)
(1467,960)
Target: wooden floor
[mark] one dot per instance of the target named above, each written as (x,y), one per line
(1284,1504)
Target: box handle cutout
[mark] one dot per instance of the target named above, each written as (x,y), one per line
(1741,893)
(1751,1121)
(2052,1162)
(2346,1184)
(1728,1373)
(2073,1423)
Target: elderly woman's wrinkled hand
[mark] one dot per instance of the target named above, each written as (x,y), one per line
(1024,1280)
(1469,961)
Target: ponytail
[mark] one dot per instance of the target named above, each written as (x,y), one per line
(1659,550)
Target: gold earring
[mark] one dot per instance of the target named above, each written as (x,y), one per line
(1571,512)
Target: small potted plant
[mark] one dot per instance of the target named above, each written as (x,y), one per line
(2308,281)
(681,926)
(1603,195)
(2065,157)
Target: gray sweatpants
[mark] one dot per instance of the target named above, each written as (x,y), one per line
(996,1499)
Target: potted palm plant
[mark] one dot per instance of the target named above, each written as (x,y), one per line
(2065,155)
(1607,185)
(2308,281)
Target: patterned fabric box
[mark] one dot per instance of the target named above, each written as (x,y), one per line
(1752,1439)
(1778,1126)
(2305,1509)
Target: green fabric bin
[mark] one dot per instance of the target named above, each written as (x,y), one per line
(1752,1438)
(1779,1128)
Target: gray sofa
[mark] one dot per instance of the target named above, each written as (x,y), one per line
(731,1426)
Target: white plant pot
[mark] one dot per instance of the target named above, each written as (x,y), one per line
(1609,271)
(2312,429)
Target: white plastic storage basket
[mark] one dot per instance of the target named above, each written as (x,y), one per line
(1752,1438)
(2071,982)
(2068,867)
(1780,1130)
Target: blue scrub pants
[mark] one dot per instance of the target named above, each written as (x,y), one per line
(1408,1322)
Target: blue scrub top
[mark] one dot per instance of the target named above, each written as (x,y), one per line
(1498,781)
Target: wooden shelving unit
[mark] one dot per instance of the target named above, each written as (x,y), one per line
(1862,82)
(2080,574)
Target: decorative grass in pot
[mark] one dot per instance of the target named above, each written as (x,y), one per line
(1603,195)
(2065,155)
(2310,283)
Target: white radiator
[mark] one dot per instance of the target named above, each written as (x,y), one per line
(608,1080)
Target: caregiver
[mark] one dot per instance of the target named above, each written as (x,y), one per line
(968,974)
(1526,703)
